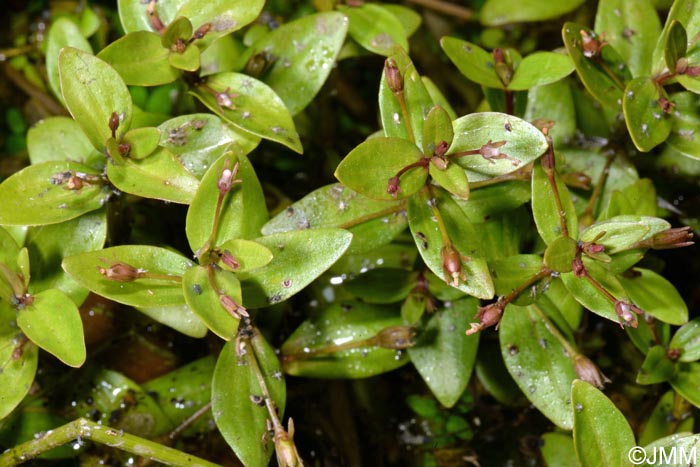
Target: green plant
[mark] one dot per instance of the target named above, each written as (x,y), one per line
(525,213)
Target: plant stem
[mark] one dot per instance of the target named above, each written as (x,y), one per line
(544,272)
(86,429)
(446,241)
(570,349)
(465,14)
(252,359)
(587,214)
(375,215)
(548,163)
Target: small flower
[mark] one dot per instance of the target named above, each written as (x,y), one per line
(491,151)
(439,162)
(227,178)
(285,449)
(228,259)
(122,272)
(396,337)
(230,305)
(441,149)
(393,76)
(393,187)
(626,311)
(452,265)
(591,45)
(666,105)
(588,371)
(489,315)
(224,99)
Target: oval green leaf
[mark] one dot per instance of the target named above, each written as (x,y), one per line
(499,12)
(622,232)
(203,299)
(657,367)
(589,296)
(685,382)
(140,59)
(17,374)
(179,317)
(452,179)
(63,32)
(375,28)
(545,210)
(382,285)
(472,61)
(248,254)
(560,254)
(687,340)
(647,123)
(655,295)
(540,68)
(224,16)
(61,139)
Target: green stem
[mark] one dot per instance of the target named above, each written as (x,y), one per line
(405,115)
(252,358)
(375,215)
(544,272)
(597,190)
(570,349)
(446,241)
(85,429)
(548,163)
(611,74)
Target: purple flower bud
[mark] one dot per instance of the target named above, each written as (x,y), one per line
(230,305)
(626,311)
(122,272)
(393,76)
(228,259)
(489,315)
(393,186)
(588,371)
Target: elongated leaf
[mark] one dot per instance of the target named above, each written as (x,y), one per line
(659,424)
(553,102)
(545,210)
(498,12)
(224,16)
(655,295)
(558,449)
(241,421)
(657,367)
(437,129)
(336,325)
(475,278)
(523,143)
(61,139)
(140,59)
(452,179)
(204,300)
(159,176)
(179,317)
(248,255)
(299,257)
(38,195)
(369,167)
(382,285)
(17,374)
(53,323)
(538,363)
(304,51)
(676,450)
(243,211)
(621,232)
(443,355)
(602,436)
(539,69)
(472,61)
(63,32)
(592,298)
(687,14)
(687,340)
(685,382)
(647,123)
(375,28)
(684,135)
(92,91)
(675,44)
(141,292)
(250,105)
(632,28)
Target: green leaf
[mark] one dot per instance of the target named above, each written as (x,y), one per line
(243,211)
(382,285)
(188,60)
(53,323)
(655,295)
(437,97)
(657,367)
(545,210)
(409,18)
(687,14)
(685,382)
(63,32)
(249,255)
(488,201)
(557,449)
(553,102)
(203,298)
(250,105)
(437,129)
(179,29)
(664,418)
(523,143)
(675,44)
(452,179)
(592,298)
(632,28)
(140,59)
(538,363)
(339,324)
(621,232)
(368,168)
(560,254)
(49,244)
(472,61)
(443,355)
(687,340)
(602,78)
(477,279)
(242,422)
(540,68)
(142,141)
(647,123)
(602,436)
(92,91)
(678,450)
(305,51)
(498,12)
(372,222)
(178,317)
(637,199)
(510,272)
(298,258)
(36,195)
(134,17)
(224,16)
(684,135)
(375,28)
(198,140)
(144,292)
(17,374)
(159,176)
(61,139)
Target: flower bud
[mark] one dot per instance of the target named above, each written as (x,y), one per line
(285,449)
(395,337)
(588,371)
(228,259)
(393,76)
(666,105)
(227,178)
(579,268)
(439,162)
(114,123)
(122,272)
(489,315)
(452,265)
(230,305)
(626,311)
(393,187)
(441,148)
(202,31)
(591,45)
(667,239)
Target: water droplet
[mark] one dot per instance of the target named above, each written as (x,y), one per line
(579,407)
(396,118)
(645,128)
(630,95)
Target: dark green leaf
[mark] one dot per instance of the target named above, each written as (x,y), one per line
(203,298)
(472,61)
(523,143)
(304,52)
(32,198)
(499,12)
(224,16)
(560,254)
(250,105)
(685,382)
(545,210)
(637,199)
(61,139)
(242,422)
(368,168)
(539,69)
(538,363)
(675,44)
(437,129)
(179,29)
(684,135)
(53,323)
(592,298)
(647,123)
(243,211)
(375,28)
(663,420)
(311,350)
(140,59)
(657,367)
(553,102)
(632,28)
(494,376)
(299,257)
(93,91)
(382,285)
(687,340)
(145,292)
(17,374)
(495,199)
(510,272)
(249,255)
(685,12)
(178,317)
(558,450)
(655,295)
(63,32)
(602,436)
(443,355)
